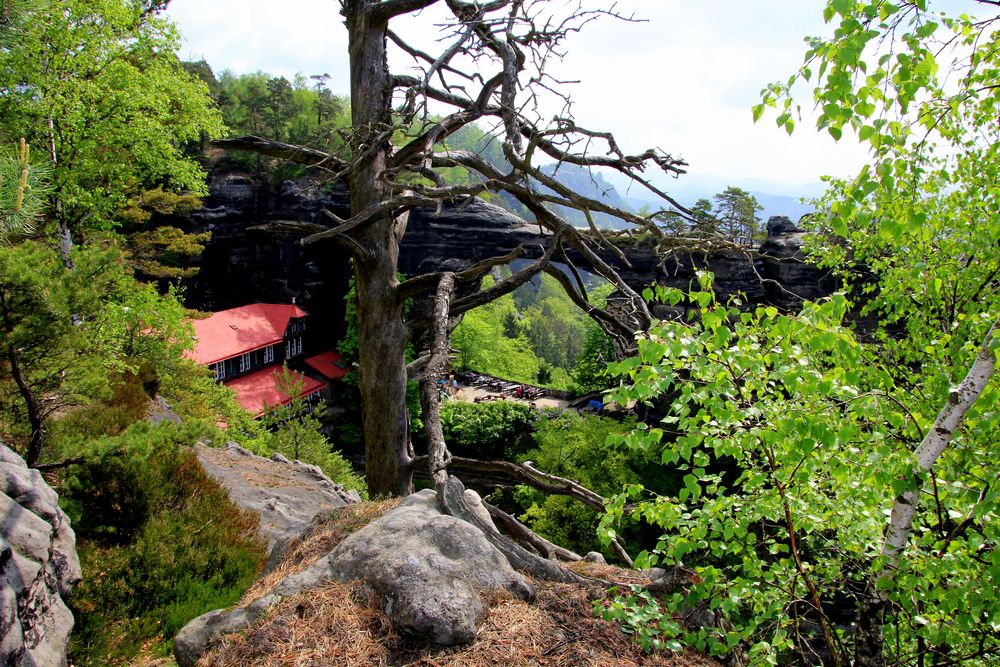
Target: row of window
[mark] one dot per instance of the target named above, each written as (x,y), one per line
(293,347)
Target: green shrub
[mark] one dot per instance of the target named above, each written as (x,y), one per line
(496,430)
(159,541)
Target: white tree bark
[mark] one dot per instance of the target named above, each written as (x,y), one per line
(933,445)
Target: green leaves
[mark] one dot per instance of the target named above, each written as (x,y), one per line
(103,76)
(815,431)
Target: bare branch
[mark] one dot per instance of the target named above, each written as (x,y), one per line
(528,537)
(505,286)
(309,157)
(388,9)
(426,281)
(391,207)
(527,474)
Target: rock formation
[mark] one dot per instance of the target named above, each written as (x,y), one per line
(243,216)
(38,567)
(430,571)
(286,495)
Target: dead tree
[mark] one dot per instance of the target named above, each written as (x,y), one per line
(491,70)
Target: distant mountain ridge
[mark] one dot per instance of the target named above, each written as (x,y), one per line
(602,187)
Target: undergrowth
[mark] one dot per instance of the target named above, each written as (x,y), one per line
(159,541)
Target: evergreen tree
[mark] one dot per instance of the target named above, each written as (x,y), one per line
(95,84)
(736,214)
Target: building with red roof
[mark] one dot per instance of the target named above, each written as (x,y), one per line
(329,364)
(259,392)
(240,340)
(245,347)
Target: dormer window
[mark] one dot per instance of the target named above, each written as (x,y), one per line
(245,362)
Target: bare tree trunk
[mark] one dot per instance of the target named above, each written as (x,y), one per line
(450,491)
(382,334)
(34,451)
(430,396)
(868,637)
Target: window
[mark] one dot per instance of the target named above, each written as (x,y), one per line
(244,362)
(268,354)
(293,346)
(220,370)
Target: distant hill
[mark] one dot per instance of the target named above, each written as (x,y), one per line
(781,205)
(589,184)
(690,188)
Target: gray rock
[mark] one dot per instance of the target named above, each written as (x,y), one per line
(595,557)
(196,637)
(285,495)
(428,569)
(160,412)
(38,566)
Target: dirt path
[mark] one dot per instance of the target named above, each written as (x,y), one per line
(470,394)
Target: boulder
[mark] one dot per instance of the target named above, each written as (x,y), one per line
(38,567)
(428,568)
(430,571)
(286,495)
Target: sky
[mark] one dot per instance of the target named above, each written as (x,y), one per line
(683,80)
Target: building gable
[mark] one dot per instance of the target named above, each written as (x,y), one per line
(233,332)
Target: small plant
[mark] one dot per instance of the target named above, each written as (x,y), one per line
(159,541)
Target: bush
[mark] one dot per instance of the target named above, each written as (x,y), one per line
(575,446)
(496,430)
(159,541)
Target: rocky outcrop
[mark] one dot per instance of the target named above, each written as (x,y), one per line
(286,495)
(255,242)
(38,568)
(431,572)
(789,278)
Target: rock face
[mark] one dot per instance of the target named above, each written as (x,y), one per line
(429,570)
(790,278)
(242,264)
(38,567)
(286,495)
(243,252)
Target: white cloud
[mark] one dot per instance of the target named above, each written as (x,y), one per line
(684,80)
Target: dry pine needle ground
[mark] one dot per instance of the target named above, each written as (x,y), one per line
(342,624)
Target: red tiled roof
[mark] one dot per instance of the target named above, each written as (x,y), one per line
(228,333)
(258,391)
(329,364)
